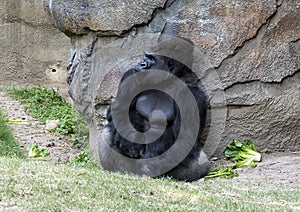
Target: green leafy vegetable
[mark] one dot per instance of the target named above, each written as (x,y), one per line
(36,151)
(223,173)
(243,153)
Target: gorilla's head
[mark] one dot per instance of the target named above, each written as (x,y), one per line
(174,56)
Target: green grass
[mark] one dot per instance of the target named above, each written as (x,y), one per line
(43,186)
(9,147)
(47,104)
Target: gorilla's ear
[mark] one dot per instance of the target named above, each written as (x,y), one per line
(170,65)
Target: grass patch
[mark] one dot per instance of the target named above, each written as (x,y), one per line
(42,186)
(9,147)
(47,104)
(84,159)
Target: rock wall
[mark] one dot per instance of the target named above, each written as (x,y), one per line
(247,54)
(32,50)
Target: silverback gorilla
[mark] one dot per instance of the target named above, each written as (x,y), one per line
(153,108)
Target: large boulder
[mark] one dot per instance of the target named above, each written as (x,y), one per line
(247,54)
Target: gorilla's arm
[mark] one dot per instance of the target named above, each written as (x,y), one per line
(120,144)
(201,100)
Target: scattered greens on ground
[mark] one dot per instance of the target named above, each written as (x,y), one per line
(223,173)
(84,159)
(9,147)
(47,104)
(37,151)
(242,153)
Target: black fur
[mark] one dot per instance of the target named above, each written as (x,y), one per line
(195,165)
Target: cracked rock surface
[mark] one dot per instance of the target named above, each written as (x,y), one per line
(247,54)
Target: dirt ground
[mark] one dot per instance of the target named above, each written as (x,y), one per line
(32,132)
(283,167)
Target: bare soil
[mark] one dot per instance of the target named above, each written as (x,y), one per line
(31,131)
(283,167)
(275,168)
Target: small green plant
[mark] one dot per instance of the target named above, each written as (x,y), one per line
(84,159)
(37,151)
(47,104)
(9,147)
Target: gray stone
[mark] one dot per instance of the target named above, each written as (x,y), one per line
(51,124)
(104,17)
(32,50)
(247,54)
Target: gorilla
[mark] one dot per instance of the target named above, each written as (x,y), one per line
(153,109)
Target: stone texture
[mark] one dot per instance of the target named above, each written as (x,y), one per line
(104,17)
(247,54)
(33,51)
(272,54)
(268,113)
